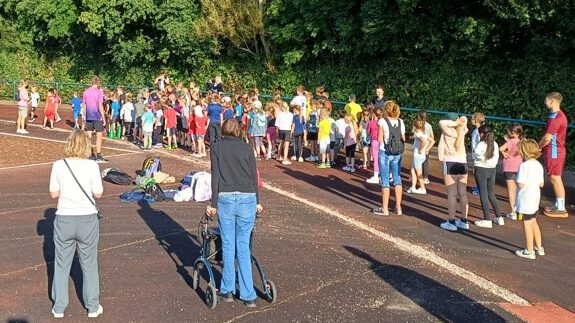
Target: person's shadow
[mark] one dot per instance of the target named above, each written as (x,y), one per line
(437,299)
(45,227)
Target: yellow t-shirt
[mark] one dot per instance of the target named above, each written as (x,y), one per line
(354,109)
(324,127)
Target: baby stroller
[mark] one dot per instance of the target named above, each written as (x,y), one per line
(210,241)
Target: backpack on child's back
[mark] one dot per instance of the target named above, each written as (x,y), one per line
(395,144)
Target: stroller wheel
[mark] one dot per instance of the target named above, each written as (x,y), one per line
(271,291)
(211,297)
(195,278)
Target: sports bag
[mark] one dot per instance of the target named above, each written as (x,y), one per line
(116,176)
(395,144)
(153,190)
(150,166)
(202,186)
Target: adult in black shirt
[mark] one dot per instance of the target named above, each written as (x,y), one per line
(235,199)
(379,99)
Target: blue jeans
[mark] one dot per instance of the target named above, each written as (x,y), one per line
(389,164)
(236,215)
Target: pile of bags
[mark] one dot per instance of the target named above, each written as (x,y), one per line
(196,187)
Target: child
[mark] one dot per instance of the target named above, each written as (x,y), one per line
(284,122)
(271,132)
(529,181)
(340,126)
(420,143)
(300,100)
(323,138)
(200,127)
(486,156)
(159,123)
(35,100)
(350,142)
(77,109)
(373,131)
(239,110)
(114,113)
(245,120)
(364,136)
(333,140)
(257,130)
(511,162)
(58,101)
(477,121)
(170,122)
(23,99)
(50,109)
(148,123)
(312,129)
(353,108)
(127,114)
(297,132)
(229,112)
(185,123)
(422,115)
(140,107)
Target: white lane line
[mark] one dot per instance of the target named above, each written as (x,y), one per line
(401,244)
(50,163)
(56,140)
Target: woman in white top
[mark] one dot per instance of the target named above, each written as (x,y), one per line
(76,225)
(284,120)
(486,156)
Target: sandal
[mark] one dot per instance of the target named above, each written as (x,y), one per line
(398,211)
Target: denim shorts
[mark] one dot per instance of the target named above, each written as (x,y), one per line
(389,164)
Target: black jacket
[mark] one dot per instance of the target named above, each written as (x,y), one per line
(233,168)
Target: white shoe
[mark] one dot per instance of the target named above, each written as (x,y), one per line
(97,313)
(540,251)
(462,225)
(525,254)
(512,216)
(18,130)
(293,158)
(352,169)
(411,190)
(488,224)
(373,180)
(448,226)
(346,168)
(310,159)
(300,160)
(426,181)
(420,191)
(499,220)
(57,315)
(58,119)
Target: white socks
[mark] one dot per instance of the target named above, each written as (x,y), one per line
(560,204)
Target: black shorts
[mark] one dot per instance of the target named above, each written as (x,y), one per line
(451,168)
(510,176)
(350,150)
(312,136)
(170,132)
(332,145)
(285,135)
(526,217)
(180,125)
(92,125)
(139,122)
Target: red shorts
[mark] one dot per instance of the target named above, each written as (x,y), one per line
(554,166)
(50,114)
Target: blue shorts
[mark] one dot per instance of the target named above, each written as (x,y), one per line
(418,160)
(77,114)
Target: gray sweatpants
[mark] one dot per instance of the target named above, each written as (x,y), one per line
(72,233)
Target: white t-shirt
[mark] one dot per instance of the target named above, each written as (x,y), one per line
(333,129)
(128,112)
(419,137)
(531,175)
(383,125)
(480,158)
(341,126)
(300,100)
(72,200)
(284,121)
(428,130)
(35,98)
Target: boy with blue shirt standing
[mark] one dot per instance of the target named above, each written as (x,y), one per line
(77,110)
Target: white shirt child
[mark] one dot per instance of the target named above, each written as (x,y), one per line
(531,175)
(127,112)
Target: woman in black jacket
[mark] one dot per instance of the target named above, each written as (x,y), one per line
(235,199)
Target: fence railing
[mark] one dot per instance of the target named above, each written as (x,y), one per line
(8,89)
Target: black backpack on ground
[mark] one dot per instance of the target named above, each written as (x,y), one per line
(116,176)
(395,144)
(153,190)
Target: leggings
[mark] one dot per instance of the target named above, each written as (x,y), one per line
(426,167)
(455,191)
(375,155)
(298,145)
(350,151)
(485,178)
(158,135)
(215,133)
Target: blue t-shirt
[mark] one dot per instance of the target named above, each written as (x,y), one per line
(239,112)
(148,119)
(228,114)
(214,111)
(299,125)
(115,108)
(77,104)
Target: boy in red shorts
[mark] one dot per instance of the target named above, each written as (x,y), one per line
(50,109)
(553,147)
(170,118)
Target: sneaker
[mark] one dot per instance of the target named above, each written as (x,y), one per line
(379,212)
(101,160)
(158,146)
(328,165)
(475,190)
(525,254)
(293,158)
(168,149)
(226,298)
(97,313)
(300,160)
(448,226)
(92,158)
(488,224)
(346,168)
(420,191)
(499,220)
(332,164)
(44,127)
(411,190)
(58,119)
(540,251)
(461,224)
(286,162)
(24,132)
(310,159)
(426,181)
(511,216)
(250,304)
(373,180)
(321,166)
(57,315)
(352,170)
(562,214)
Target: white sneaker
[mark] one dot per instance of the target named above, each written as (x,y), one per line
(499,220)
(462,225)
(58,119)
(24,132)
(352,169)
(448,226)
(346,168)
(540,251)
(57,315)
(411,190)
(310,159)
(512,216)
(300,160)
(421,191)
(525,254)
(97,313)
(373,180)
(18,130)
(426,181)
(293,158)
(488,224)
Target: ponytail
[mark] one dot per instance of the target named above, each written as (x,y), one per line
(489,138)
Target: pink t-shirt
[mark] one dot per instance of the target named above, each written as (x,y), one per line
(512,163)
(372,130)
(24,98)
(92,99)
